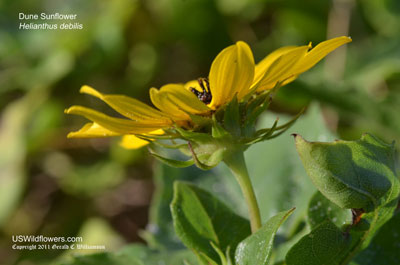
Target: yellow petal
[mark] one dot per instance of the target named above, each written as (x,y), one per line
(319,52)
(282,68)
(161,101)
(264,64)
(133,142)
(92,130)
(127,106)
(231,73)
(116,125)
(193,84)
(177,101)
(184,99)
(290,79)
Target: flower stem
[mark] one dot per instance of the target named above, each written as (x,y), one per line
(237,165)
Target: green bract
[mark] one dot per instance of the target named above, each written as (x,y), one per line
(231,129)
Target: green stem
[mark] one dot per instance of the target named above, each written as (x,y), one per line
(238,167)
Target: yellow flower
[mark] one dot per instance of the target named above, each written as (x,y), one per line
(233,73)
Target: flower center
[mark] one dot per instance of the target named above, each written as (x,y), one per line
(205,95)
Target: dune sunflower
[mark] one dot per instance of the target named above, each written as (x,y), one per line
(216,116)
(233,74)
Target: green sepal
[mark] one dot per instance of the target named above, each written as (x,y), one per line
(199,121)
(168,146)
(205,150)
(283,128)
(256,107)
(217,131)
(232,121)
(173,162)
(263,133)
(205,157)
(254,103)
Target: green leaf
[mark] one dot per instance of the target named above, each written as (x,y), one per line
(199,219)
(256,249)
(352,174)
(160,231)
(369,158)
(326,245)
(321,209)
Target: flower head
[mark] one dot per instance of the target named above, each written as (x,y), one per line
(219,110)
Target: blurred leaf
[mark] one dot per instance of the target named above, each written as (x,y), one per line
(204,23)
(91,180)
(134,255)
(383,15)
(256,249)
(43,125)
(12,158)
(13,150)
(96,231)
(200,218)
(321,209)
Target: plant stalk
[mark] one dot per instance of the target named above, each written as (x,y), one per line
(237,165)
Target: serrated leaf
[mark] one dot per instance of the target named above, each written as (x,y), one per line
(352,174)
(321,209)
(256,249)
(199,219)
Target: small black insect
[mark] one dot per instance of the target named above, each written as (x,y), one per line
(205,96)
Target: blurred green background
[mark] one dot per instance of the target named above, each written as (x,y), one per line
(93,188)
